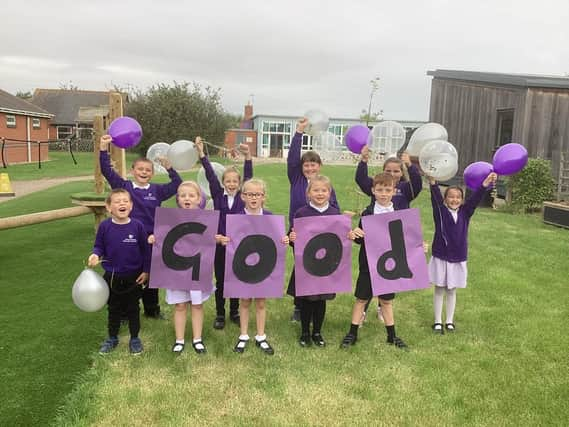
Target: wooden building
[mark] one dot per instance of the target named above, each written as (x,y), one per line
(482,111)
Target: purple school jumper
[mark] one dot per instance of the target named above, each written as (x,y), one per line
(144,201)
(404,192)
(122,247)
(301,213)
(298,181)
(451,239)
(220,204)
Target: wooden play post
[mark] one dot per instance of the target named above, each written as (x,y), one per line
(118,159)
(117,154)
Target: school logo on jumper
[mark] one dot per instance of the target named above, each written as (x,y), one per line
(130,239)
(149,196)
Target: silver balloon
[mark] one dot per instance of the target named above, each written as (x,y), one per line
(90,291)
(326,144)
(318,121)
(202,179)
(439,160)
(155,151)
(424,134)
(183,155)
(386,137)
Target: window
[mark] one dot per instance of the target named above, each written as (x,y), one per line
(339,131)
(64,132)
(36,123)
(10,121)
(275,138)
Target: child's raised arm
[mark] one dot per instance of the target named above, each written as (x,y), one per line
(362,179)
(248,164)
(294,168)
(215,187)
(113,178)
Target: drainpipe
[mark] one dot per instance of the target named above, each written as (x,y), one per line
(28,139)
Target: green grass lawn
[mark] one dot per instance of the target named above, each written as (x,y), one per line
(505,365)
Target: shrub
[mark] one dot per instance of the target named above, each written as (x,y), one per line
(532,186)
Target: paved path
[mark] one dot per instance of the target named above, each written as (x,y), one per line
(21,188)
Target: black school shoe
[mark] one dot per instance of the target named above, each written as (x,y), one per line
(199,347)
(450,327)
(318,340)
(235,318)
(240,346)
(438,328)
(219,322)
(304,340)
(399,343)
(265,347)
(349,340)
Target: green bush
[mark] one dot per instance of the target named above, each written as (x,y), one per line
(532,186)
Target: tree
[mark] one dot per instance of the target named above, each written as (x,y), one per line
(68,86)
(168,113)
(367,115)
(24,95)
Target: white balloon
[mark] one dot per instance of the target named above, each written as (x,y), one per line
(424,134)
(155,151)
(202,179)
(439,160)
(327,145)
(318,121)
(90,291)
(387,137)
(183,155)
(209,204)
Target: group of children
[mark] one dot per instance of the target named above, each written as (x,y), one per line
(123,243)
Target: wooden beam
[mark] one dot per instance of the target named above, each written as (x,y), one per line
(117,154)
(38,217)
(98,131)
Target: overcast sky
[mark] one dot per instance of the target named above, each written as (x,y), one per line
(291,55)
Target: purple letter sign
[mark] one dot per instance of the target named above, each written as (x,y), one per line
(394,250)
(322,255)
(182,257)
(255,259)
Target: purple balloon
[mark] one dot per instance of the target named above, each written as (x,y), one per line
(510,159)
(476,173)
(125,131)
(356,138)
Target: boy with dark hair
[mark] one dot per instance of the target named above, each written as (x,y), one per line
(146,197)
(121,246)
(383,190)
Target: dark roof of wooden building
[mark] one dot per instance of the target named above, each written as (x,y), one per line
(12,104)
(523,80)
(65,104)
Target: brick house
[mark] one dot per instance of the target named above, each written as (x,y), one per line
(26,123)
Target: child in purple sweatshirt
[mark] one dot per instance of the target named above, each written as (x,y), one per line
(227,200)
(146,197)
(121,246)
(405,190)
(300,169)
(253,195)
(447,267)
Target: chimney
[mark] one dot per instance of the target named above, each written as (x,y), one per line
(248,113)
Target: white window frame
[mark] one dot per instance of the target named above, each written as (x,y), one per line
(67,134)
(10,121)
(36,123)
(269,128)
